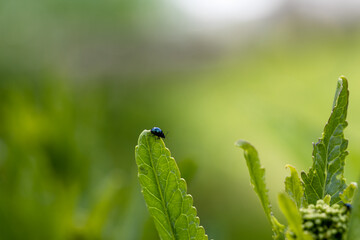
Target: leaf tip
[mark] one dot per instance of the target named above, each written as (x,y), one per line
(343,78)
(304,176)
(243,144)
(343,82)
(143,134)
(289,166)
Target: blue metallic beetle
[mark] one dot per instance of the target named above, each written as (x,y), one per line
(157,132)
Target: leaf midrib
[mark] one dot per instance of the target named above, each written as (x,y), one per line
(327,155)
(160,191)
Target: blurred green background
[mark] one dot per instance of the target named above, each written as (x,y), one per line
(80,80)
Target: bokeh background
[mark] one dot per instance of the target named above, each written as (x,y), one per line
(80,80)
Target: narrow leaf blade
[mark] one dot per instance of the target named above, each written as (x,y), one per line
(257,179)
(292,214)
(294,187)
(326,176)
(165,192)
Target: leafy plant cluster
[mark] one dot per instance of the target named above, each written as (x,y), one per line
(316,206)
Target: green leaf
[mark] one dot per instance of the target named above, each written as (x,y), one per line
(354,222)
(294,187)
(165,192)
(326,176)
(348,193)
(293,216)
(257,179)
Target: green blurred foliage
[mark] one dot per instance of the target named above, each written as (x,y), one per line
(67,168)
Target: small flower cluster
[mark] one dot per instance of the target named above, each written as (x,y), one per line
(325,222)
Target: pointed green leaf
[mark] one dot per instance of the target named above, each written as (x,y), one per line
(348,193)
(165,192)
(294,187)
(257,179)
(292,214)
(354,222)
(326,176)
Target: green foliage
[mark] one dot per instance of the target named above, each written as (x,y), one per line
(292,214)
(294,187)
(257,178)
(165,191)
(348,193)
(324,184)
(326,176)
(56,183)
